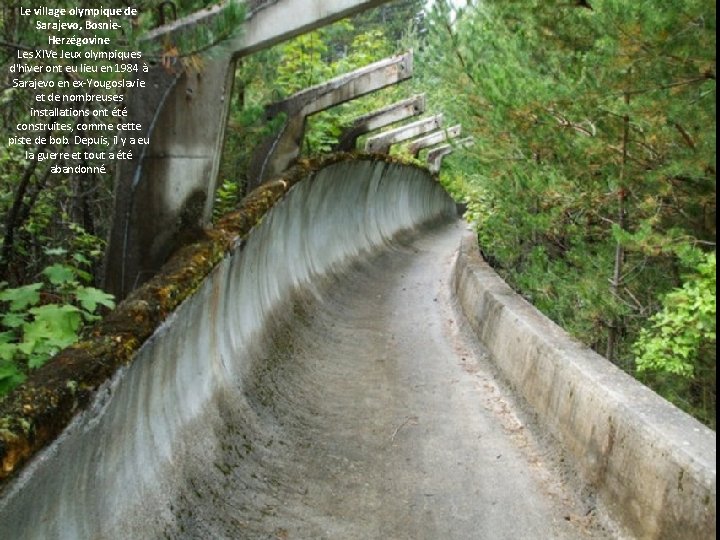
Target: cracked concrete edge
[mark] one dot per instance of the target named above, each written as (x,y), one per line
(651,465)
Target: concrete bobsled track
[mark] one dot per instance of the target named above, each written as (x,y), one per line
(319,383)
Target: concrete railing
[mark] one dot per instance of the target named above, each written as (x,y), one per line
(652,465)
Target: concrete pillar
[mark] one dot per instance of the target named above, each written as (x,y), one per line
(436,155)
(276,154)
(407,108)
(167,189)
(381,143)
(436,137)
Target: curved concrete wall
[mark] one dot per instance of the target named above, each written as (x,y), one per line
(652,465)
(114,472)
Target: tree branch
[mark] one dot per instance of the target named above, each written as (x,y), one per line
(20,46)
(685,135)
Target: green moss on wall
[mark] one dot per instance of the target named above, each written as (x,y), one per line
(36,412)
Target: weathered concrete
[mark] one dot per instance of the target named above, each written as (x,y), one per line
(346,87)
(381,143)
(436,155)
(401,110)
(310,387)
(269,22)
(434,138)
(280,151)
(173,178)
(125,466)
(652,465)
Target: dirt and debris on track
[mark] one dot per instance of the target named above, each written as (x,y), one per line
(376,416)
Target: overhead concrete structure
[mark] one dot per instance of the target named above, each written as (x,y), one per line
(401,110)
(436,155)
(434,138)
(347,87)
(269,22)
(182,113)
(381,143)
(301,372)
(280,151)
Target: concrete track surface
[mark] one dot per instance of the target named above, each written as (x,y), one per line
(318,385)
(374,416)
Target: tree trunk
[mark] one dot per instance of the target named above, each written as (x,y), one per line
(616,326)
(12,221)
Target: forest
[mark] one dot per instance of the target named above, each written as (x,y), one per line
(590,180)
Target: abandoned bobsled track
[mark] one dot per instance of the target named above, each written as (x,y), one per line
(320,382)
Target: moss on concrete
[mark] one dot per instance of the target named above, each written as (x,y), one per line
(36,412)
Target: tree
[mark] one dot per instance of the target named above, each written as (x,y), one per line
(40,207)
(676,351)
(53,225)
(594,164)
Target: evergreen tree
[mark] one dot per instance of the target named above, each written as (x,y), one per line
(593,169)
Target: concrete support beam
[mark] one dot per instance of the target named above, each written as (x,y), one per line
(269,22)
(436,155)
(381,143)
(407,108)
(278,153)
(434,138)
(346,87)
(168,188)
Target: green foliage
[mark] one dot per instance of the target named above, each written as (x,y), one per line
(684,326)
(679,342)
(51,327)
(21,297)
(395,19)
(226,198)
(10,373)
(40,208)
(40,319)
(208,38)
(593,156)
(309,59)
(90,298)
